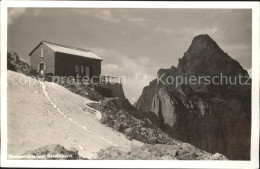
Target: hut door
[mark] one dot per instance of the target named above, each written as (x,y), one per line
(41,68)
(87,71)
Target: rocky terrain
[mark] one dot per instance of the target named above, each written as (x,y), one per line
(181,151)
(215,118)
(120,115)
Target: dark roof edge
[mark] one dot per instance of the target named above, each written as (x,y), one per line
(66,46)
(35,48)
(58,52)
(52,43)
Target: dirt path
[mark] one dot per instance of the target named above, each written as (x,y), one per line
(72,120)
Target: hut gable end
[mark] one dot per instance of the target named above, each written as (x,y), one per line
(43,54)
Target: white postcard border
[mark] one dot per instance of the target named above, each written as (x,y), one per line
(253,163)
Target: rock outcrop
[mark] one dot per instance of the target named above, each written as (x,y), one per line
(15,64)
(93,92)
(110,90)
(213,117)
(180,151)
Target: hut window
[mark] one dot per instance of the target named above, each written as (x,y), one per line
(76,68)
(82,69)
(42,53)
(87,70)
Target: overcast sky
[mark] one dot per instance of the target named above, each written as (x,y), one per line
(131,41)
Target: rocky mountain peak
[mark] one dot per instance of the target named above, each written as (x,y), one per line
(204,43)
(205,57)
